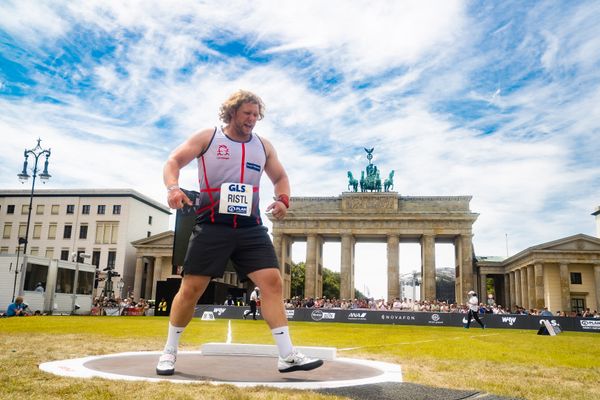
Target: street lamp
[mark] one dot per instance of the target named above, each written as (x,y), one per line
(17,268)
(36,152)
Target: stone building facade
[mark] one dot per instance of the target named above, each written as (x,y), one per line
(100,223)
(154,262)
(562,275)
(376,217)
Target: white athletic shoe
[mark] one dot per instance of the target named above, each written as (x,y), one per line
(166,362)
(297,361)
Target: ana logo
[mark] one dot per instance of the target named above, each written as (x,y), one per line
(510,320)
(223,152)
(357,316)
(219,311)
(318,315)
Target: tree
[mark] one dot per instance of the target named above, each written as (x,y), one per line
(331,282)
(298,279)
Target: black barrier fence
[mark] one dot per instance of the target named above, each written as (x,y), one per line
(508,321)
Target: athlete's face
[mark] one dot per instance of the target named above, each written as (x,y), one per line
(244,119)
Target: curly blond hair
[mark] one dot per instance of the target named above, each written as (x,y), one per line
(231,105)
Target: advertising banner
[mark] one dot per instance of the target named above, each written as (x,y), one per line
(325,315)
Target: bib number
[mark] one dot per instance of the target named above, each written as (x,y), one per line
(236,198)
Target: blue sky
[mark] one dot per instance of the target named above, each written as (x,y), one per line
(498,100)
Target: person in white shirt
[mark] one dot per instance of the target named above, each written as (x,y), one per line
(473,304)
(253,302)
(39,288)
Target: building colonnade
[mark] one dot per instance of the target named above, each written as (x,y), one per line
(541,285)
(313,286)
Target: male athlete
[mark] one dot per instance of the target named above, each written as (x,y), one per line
(231,160)
(473,305)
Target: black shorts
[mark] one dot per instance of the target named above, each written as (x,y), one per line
(212,245)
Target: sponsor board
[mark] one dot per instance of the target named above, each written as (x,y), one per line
(397,317)
(590,324)
(357,316)
(219,310)
(551,321)
(363,316)
(318,315)
(435,319)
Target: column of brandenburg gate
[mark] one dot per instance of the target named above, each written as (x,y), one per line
(377,217)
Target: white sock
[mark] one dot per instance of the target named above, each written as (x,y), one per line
(283,341)
(173,337)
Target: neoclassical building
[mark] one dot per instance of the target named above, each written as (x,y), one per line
(562,275)
(154,263)
(376,217)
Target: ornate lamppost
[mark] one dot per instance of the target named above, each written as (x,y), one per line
(36,153)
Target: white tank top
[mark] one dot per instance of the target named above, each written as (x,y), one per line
(226,160)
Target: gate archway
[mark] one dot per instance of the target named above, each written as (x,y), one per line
(377,217)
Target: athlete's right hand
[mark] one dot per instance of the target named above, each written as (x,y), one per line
(177,199)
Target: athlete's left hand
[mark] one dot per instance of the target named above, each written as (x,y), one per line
(278,209)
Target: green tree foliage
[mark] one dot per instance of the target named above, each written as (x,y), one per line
(298,279)
(331,282)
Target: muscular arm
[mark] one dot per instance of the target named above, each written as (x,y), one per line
(179,158)
(278,176)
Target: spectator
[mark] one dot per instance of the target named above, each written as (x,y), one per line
(546,313)
(39,288)
(17,309)
(254,296)
(229,301)
(162,307)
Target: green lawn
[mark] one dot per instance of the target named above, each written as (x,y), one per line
(515,363)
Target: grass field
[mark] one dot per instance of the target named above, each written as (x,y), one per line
(514,363)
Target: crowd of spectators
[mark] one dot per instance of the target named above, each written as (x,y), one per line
(424,306)
(126,306)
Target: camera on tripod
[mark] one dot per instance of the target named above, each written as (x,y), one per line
(110,272)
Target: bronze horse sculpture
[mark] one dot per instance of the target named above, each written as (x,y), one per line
(352,183)
(388,184)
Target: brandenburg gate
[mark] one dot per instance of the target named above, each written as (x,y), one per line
(383,217)
(375,216)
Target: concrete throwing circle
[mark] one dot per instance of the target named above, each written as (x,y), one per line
(238,370)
